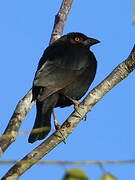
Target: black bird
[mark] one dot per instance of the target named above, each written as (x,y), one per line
(64,74)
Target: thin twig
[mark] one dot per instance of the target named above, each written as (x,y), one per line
(60,20)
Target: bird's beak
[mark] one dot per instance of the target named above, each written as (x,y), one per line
(91,41)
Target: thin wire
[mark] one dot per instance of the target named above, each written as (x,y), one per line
(42,162)
(20,133)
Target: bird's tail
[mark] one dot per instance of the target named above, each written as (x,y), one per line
(42,124)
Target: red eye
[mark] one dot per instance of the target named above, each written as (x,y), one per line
(77,39)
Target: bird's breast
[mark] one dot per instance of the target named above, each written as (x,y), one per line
(71,57)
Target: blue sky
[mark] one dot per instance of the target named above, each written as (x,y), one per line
(108,133)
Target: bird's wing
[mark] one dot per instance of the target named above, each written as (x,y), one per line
(57,68)
(52,75)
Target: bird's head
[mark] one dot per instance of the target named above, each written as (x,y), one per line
(79,38)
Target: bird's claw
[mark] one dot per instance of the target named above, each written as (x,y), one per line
(57,126)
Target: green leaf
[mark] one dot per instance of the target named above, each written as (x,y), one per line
(108,176)
(75,174)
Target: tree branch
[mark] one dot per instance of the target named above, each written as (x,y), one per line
(22,108)
(60,20)
(25,104)
(117,75)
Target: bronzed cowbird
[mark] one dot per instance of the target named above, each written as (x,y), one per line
(64,74)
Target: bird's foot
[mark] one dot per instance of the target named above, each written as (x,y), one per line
(76,105)
(57,126)
(85,117)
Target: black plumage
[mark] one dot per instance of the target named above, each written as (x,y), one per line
(65,72)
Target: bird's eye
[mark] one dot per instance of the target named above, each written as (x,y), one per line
(77,39)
